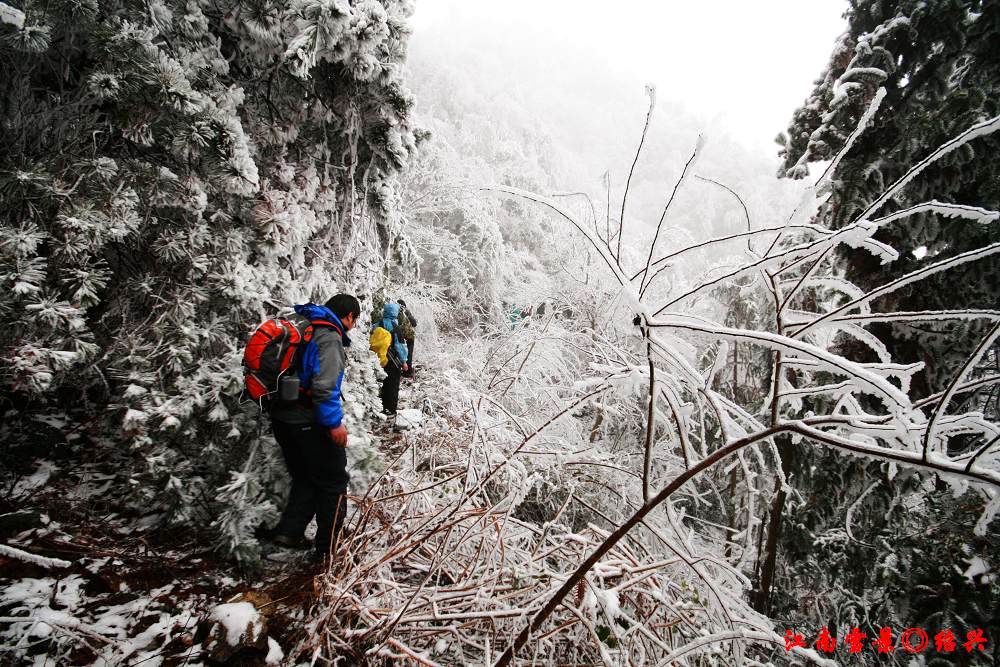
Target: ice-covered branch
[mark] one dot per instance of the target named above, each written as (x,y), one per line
(873,382)
(746,211)
(666,209)
(609,260)
(920,316)
(729,237)
(827,175)
(955,383)
(11,16)
(973,213)
(978,130)
(34,559)
(937,464)
(909,278)
(651,91)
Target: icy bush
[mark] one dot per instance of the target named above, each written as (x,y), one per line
(193,168)
(593,487)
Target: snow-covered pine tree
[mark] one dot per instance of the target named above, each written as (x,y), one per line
(939,67)
(939,64)
(170,174)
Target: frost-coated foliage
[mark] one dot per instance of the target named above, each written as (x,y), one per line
(172,173)
(479,253)
(607,424)
(599,493)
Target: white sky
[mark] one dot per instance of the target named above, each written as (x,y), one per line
(743,65)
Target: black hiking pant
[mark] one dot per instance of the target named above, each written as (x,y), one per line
(318,468)
(390,386)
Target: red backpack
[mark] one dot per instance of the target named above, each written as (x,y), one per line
(273,353)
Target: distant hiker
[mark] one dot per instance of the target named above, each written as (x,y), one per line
(515,315)
(387,343)
(310,429)
(378,303)
(407,329)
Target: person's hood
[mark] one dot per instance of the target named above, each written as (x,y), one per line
(313,311)
(390,311)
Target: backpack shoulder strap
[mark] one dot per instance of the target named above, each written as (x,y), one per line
(327,323)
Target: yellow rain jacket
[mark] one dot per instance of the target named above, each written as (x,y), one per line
(379,343)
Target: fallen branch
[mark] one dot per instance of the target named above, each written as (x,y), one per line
(34,559)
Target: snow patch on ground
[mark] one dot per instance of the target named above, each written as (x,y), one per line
(32,597)
(237,618)
(61,610)
(92,485)
(409,418)
(274,653)
(978,567)
(37,480)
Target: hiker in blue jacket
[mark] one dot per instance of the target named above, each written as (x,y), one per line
(398,358)
(311,432)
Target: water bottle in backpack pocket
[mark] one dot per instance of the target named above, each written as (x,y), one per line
(288,387)
(270,360)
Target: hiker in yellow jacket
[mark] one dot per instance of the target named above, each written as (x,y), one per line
(386,342)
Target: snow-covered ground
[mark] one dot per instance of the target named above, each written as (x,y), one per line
(118,593)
